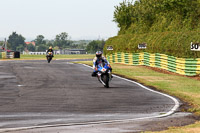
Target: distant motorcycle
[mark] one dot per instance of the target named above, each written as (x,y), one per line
(49,56)
(104,74)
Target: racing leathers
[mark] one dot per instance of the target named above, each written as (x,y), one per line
(50,50)
(97,61)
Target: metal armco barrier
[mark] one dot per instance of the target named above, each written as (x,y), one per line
(188,67)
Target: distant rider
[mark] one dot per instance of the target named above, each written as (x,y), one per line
(97,60)
(50,50)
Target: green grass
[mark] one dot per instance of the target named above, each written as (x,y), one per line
(193,128)
(185,88)
(85,56)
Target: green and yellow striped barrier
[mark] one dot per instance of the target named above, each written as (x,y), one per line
(2,55)
(189,67)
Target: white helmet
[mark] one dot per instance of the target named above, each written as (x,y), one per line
(98,54)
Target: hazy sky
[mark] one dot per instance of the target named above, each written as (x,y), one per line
(81,19)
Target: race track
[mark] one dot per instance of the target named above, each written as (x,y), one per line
(35,93)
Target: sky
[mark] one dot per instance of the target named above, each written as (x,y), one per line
(81,19)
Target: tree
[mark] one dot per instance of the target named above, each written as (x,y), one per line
(31,47)
(16,41)
(123,14)
(49,43)
(20,48)
(145,16)
(42,48)
(95,45)
(62,40)
(39,40)
(1,43)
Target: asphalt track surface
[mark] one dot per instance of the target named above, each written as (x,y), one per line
(35,93)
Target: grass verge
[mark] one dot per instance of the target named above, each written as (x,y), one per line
(43,57)
(184,88)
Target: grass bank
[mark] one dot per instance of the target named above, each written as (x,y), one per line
(170,43)
(185,88)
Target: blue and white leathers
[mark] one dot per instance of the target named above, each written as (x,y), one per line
(97,61)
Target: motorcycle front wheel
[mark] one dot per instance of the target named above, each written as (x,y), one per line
(105,79)
(48,59)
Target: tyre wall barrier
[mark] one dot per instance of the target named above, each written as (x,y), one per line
(183,66)
(9,55)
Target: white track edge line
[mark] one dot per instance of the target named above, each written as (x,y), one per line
(176,106)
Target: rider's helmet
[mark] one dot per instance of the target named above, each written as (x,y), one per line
(50,47)
(98,54)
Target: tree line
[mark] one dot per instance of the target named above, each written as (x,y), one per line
(166,26)
(145,16)
(62,41)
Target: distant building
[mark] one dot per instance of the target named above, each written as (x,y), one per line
(33,43)
(73,51)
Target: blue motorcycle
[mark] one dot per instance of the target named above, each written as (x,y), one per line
(104,74)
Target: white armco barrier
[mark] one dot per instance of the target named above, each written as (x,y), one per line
(34,53)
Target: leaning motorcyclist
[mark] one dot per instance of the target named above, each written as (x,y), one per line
(50,50)
(97,60)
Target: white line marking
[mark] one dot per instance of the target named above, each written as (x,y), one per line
(176,106)
(20,85)
(69,63)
